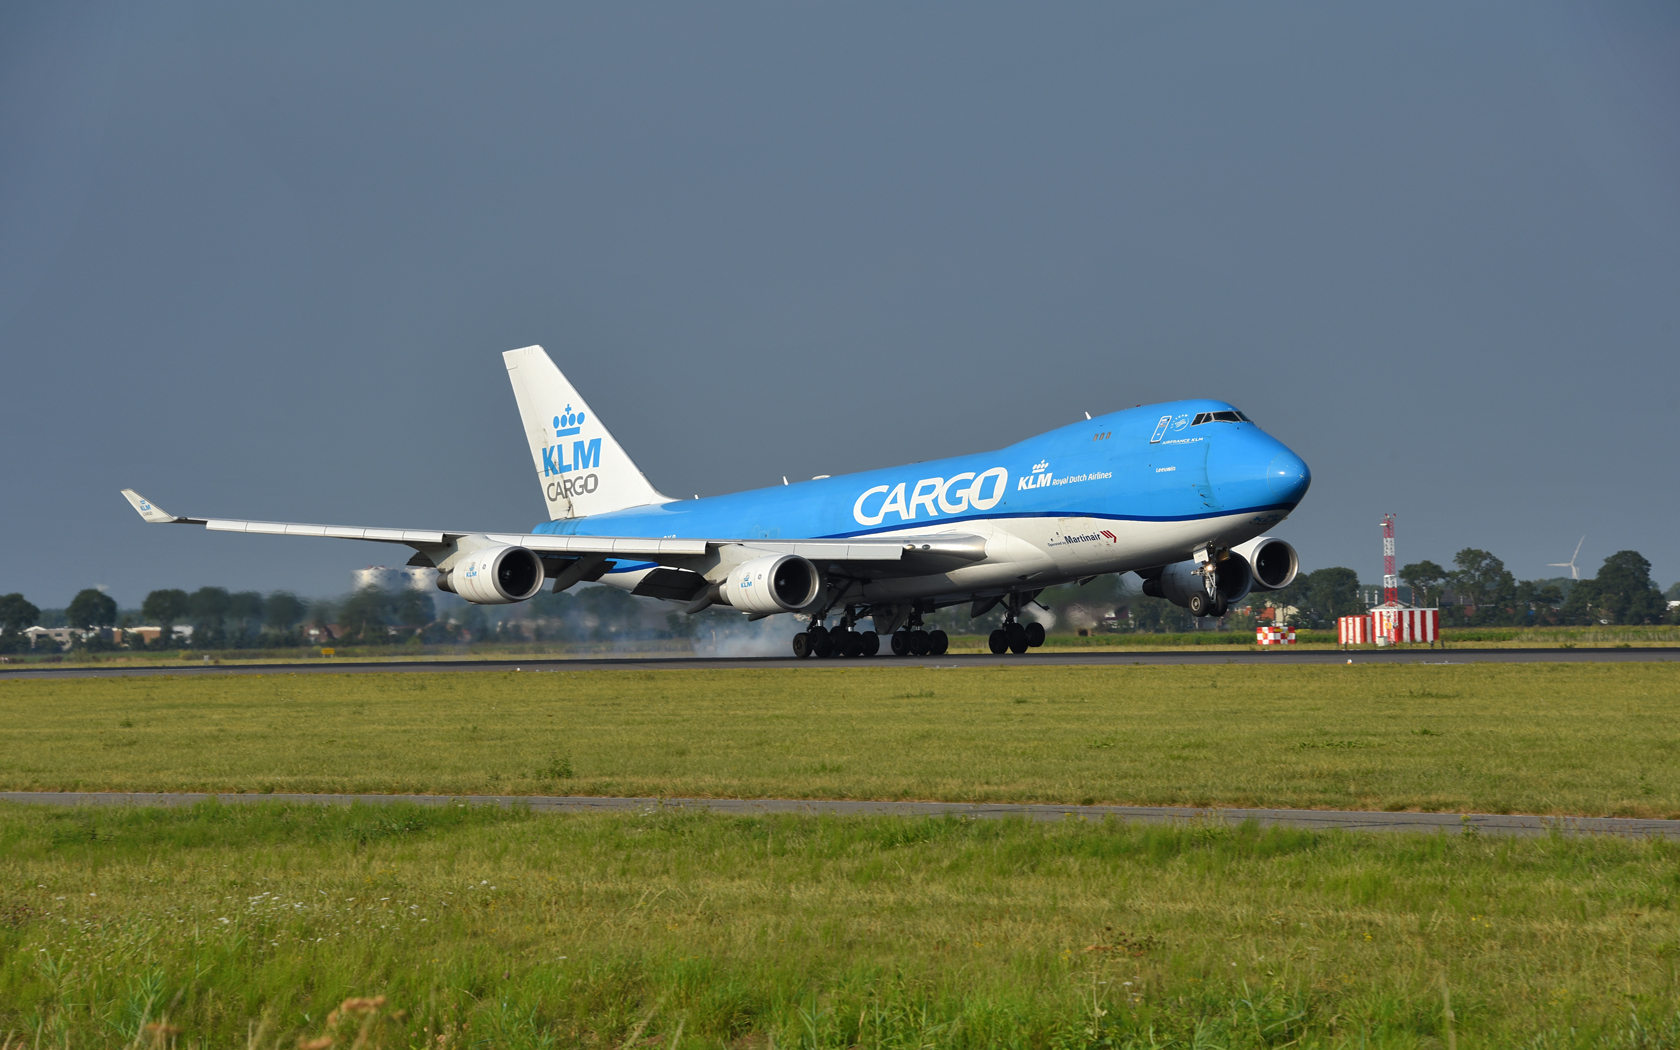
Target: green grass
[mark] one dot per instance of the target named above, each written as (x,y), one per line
(1585,739)
(246,925)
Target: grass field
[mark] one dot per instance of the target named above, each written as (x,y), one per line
(245,926)
(1583,739)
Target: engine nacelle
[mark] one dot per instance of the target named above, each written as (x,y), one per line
(1180,580)
(494,576)
(1273,562)
(772,584)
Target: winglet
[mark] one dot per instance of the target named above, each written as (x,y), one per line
(149,510)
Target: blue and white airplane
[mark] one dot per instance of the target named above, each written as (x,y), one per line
(1179,493)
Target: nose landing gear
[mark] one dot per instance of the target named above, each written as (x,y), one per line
(1014,636)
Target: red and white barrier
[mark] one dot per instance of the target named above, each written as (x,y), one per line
(1354,630)
(1408,625)
(1390,626)
(1273,635)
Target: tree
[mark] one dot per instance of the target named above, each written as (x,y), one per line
(1538,601)
(283,610)
(413,608)
(363,615)
(1480,579)
(1425,579)
(1622,592)
(166,608)
(92,608)
(1334,592)
(245,615)
(16,614)
(1320,596)
(209,614)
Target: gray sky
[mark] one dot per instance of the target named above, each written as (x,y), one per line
(261,263)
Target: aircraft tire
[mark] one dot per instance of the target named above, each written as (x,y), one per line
(1035,635)
(1199,605)
(802,645)
(918,643)
(901,643)
(822,645)
(837,639)
(1017,638)
(938,643)
(998,642)
(854,645)
(1221,606)
(871,643)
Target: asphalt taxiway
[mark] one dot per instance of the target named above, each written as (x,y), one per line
(1035,658)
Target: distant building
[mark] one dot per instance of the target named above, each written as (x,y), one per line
(59,637)
(149,634)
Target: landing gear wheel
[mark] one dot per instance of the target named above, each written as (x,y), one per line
(1221,605)
(998,642)
(854,645)
(938,642)
(871,643)
(901,643)
(802,645)
(1017,638)
(1200,605)
(822,645)
(918,643)
(1035,635)
(837,639)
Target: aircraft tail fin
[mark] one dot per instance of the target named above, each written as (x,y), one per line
(581,468)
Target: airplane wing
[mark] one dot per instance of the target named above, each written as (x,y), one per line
(897,556)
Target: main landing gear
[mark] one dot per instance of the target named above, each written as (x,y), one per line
(912,640)
(821,642)
(843,640)
(1014,636)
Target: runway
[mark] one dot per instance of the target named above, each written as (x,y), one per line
(1036,658)
(1320,820)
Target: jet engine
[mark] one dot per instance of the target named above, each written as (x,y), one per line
(1182,585)
(772,584)
(1273,562)
(494,576)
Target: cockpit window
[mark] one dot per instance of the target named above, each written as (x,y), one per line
(1219,417)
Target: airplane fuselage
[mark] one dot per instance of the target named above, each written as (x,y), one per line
(1126,490)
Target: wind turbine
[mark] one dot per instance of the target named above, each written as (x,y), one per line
(1574,573)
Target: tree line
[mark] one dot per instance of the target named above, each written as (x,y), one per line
(1478,590)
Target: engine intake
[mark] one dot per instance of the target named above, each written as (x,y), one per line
(772,584)
(1274,562)
(495,576)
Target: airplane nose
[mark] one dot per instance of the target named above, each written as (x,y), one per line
(1288,477)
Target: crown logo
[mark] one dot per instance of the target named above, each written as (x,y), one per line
(568,422)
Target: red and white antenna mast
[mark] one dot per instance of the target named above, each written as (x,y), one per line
(1391,582)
